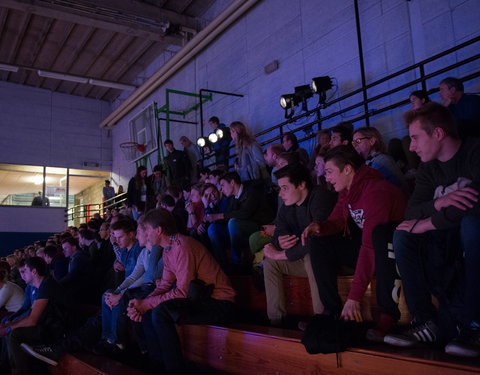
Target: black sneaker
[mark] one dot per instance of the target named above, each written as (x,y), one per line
(427,332)
(466,344)
(43,353)
(104,348)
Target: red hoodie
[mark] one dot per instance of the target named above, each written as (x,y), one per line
(370,201)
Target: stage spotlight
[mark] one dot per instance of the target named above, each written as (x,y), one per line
(213,138)
(320,84)
(219,133)
(288,101)
(303,93)
(201,142)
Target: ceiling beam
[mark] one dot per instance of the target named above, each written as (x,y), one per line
(127,17)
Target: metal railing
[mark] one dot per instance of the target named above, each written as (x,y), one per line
(418,68)
(85,211)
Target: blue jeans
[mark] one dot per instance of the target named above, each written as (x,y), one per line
(114,321)
(220,242)
(240,231)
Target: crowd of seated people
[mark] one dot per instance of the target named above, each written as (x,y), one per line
(283,214)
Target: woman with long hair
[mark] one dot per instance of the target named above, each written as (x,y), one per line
(251,164)
(137,192)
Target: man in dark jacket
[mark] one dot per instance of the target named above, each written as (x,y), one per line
(247,211)
(178,165)
(286,255)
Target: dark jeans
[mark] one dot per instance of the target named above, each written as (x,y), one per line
(388,280)
(327,254)
(429,264)
(83,338)
(159,324)
(18,358)
(141,292)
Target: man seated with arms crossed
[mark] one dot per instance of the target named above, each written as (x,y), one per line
(286,255)
(371,202)
(42,318)
(442,209)
(193,290)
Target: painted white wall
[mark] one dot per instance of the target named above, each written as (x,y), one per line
(312,38)
(28,219)
(40,127)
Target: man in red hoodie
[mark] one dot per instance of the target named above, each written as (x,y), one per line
(366,201)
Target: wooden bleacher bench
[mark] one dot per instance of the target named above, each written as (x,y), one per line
(247,349)
(298,298)
(90,364)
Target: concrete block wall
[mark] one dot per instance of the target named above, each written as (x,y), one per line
(40,127)
(312,38)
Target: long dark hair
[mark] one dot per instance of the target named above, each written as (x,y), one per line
(139,180)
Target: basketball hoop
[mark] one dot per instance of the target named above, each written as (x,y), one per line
(130,149)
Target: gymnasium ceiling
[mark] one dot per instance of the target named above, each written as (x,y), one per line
(106,40)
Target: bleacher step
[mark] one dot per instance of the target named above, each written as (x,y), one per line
(246,350)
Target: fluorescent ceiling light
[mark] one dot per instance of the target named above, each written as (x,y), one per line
(112,85)
(9,68)
(63,77)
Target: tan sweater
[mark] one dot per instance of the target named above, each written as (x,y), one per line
(186,260)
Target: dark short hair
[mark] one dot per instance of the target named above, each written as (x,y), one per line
(87,234)
(4,270)
(343,155)
(207,186)
(433,115)
(174,190)
(127,225)
(420,94)
(35,263)
(453,82)
(166,200)
(292,138)
(160,217)
(290,157)
(345,129)
(217,173)
(158,168)
(205,171)
(232,176)
(168,141)
(277,148)
(214,119)
(71,240)
(296,173)
(51,251)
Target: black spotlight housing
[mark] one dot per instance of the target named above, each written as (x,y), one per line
(321,84)
(303,93)
(289,101)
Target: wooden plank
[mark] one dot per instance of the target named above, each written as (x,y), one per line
(246,352)
(298,298)
(90,364)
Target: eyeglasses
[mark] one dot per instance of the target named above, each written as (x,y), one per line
(359,140)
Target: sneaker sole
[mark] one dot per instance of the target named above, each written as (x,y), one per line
(398,342)
(33,353)
(461,352)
